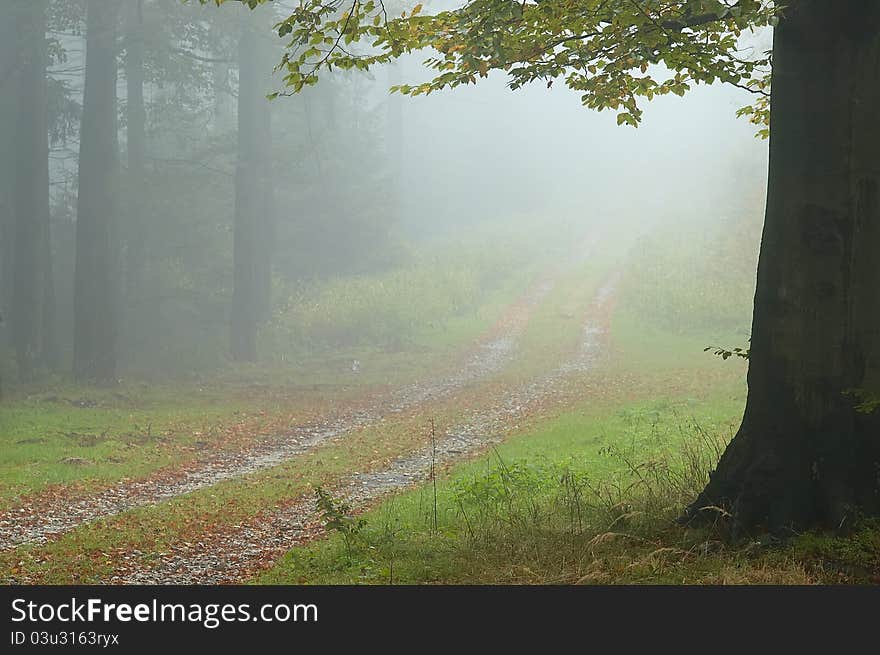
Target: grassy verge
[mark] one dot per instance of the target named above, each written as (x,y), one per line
(523,513)
(602,514)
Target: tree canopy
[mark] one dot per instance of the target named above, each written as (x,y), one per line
(613,52)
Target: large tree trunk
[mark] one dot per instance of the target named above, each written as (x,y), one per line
(95,294)
(253,199)
(804,457)
(32,311)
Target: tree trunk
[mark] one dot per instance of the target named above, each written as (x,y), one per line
(136,118)
(266,192)
(253,192)
(394,136)
(32,312)
(95,293)
(804,456)
(9,65)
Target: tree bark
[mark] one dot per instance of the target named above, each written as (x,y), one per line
(95,293)
(804,456)
(32,312)
(252,233)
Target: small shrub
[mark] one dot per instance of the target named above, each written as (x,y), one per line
(337,516)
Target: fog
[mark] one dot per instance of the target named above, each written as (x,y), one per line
(212,209)
(232,323)
(251,333)
(537,152)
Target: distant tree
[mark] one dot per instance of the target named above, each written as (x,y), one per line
(140,192)
(252,242)
(97,267)
(805,455)
(136,144)
(8,104)
(394,131)
(32,312)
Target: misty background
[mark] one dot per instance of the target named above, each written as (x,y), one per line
(372,202)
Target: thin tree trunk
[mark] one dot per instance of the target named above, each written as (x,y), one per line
(395,141)
(49,355)
(266,192)
(804,456)
(9,65)
(95,294)
(136,118)
(253,199)
(32,311)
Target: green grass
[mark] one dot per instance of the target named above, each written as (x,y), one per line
(649,348)
(151,528)
(76,433)
(506,512)
(588,497)
(91,551)
(62,433)
(698,279)
(428,350)
(439,288)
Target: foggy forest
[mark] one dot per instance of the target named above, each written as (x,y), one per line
(477,292)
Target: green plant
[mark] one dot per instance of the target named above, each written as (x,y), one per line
(337,516)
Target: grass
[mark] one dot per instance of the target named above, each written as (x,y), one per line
(555,327)
(63,434)
(602,514)
(74,433)
(88,553)
(519,513)
(440,287)
(591,496)
(586,491)
(698,279)
(401,326)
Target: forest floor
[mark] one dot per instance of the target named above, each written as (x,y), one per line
(242,454)
(48,515)
(542,451)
